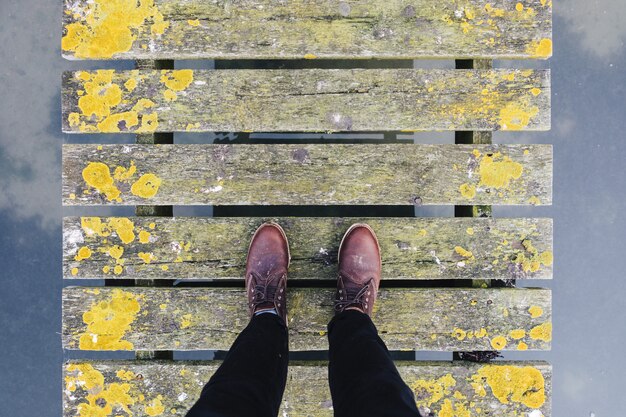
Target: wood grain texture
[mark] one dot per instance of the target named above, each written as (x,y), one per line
(412,248)
(263,29)
(307,174)
(305,100)
(177,385)
(438,319)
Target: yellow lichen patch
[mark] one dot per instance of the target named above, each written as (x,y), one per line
(124,228)
(498,343)
(534,200)
(155,407)
(176,80)
(497,171)
(468,190)
(83,253)
(146,186)
(144,237)
(101,93)
(74,271)
(469,231)
(542,332)
(152,226)
(83,376)
(115,251)
(310,56)
(142,104)
(108,27)
(106,269)
(125,375)
(535,91)
(169,95)
(430,391)
(422,232)
(124,174)
(515,116)
(114,122)
(541,49)
(546,257)
(195,22)
(162,306)
(185,321)
(464,252)
(458,409)
(130,84)
(519,7)
(517,334)
(146,257)
(164,267)
(118,269)
(102,400)
(108,321)
(524,385)
(494,11)
(533,261)
(73,119)
(535,311)
(522,346)
(481,333)
(97,175)
(459,334)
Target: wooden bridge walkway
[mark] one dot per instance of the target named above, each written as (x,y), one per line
(448,282)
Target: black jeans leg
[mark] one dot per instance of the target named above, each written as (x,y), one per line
(251,380)
(363,378)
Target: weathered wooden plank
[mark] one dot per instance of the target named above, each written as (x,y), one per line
(263,29)
(441,319)
(305,100)
(307,174)
(412,248)
(507,389)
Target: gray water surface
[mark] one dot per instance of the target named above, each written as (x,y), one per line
(589,211)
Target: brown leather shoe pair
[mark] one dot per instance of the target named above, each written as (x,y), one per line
(268,261)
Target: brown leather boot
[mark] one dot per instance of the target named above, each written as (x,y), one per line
(266,270)
(359,270)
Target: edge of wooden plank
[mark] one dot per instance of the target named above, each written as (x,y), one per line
(505,388)
(441,319)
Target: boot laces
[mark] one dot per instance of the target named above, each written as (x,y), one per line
(264,291)
(353,296)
